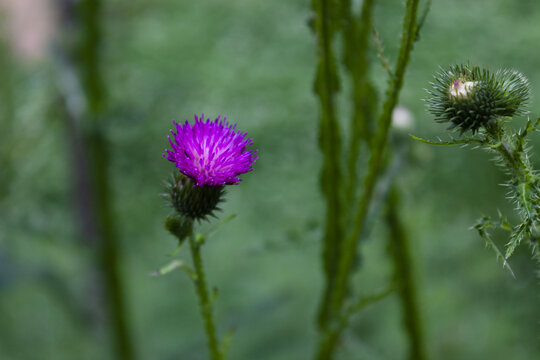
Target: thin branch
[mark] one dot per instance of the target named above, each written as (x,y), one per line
(380,53)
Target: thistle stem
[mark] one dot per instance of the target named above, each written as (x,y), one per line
(375,162)
(339,286)
(327,344)
(356,60)
(403,270)
(205,302)
(524,182)
(326,87)
(520,168)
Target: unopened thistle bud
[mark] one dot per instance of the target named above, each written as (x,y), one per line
(180,226)
(471,97)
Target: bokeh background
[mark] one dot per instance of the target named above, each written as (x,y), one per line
(254,62)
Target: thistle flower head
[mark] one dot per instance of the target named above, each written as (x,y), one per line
(469,97)
(211,153)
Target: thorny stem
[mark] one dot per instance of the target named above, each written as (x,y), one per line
(348,253)
(356,32)
(205,302)
(326,86)
(523,179)
(356,38)
(521,169)
(524,182)
(400,250)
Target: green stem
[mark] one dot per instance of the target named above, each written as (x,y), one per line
(375,161)
(403,272)
(328,344)
(109,252)
(520,169)
(523,180)
(205,302)
(519,165)
(7,118)
(326,86)
(90,12)
(356,34)
(348,253)
(356,41)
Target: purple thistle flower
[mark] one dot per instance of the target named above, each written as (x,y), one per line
(211,153)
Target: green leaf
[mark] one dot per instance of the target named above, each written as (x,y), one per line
(523,191)
(439,142)
(215,227)
(520,232)
(226,342)
(173,265)
(177,248)
(503,222)
(481,226)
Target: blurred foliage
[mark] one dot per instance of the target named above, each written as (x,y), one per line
(254,62)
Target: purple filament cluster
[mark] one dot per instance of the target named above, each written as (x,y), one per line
(211,153)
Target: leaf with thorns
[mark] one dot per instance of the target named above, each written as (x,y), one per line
(521,231)
(522,135)
(482,225)
(453,141)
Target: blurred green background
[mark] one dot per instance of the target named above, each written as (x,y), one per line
(252,61)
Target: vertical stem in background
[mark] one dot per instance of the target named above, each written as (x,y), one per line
(348,248)
(205,302)
(356,33)
(375,162)
(326,86)
(6,118)
(403,271)
(356,40)
(108,244)
(90,13)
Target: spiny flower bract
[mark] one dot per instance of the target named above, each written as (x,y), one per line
(470,97)
(211,153)
(190,201)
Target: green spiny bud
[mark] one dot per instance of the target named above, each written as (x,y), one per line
(191,201)
(179,226)
(471,97)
